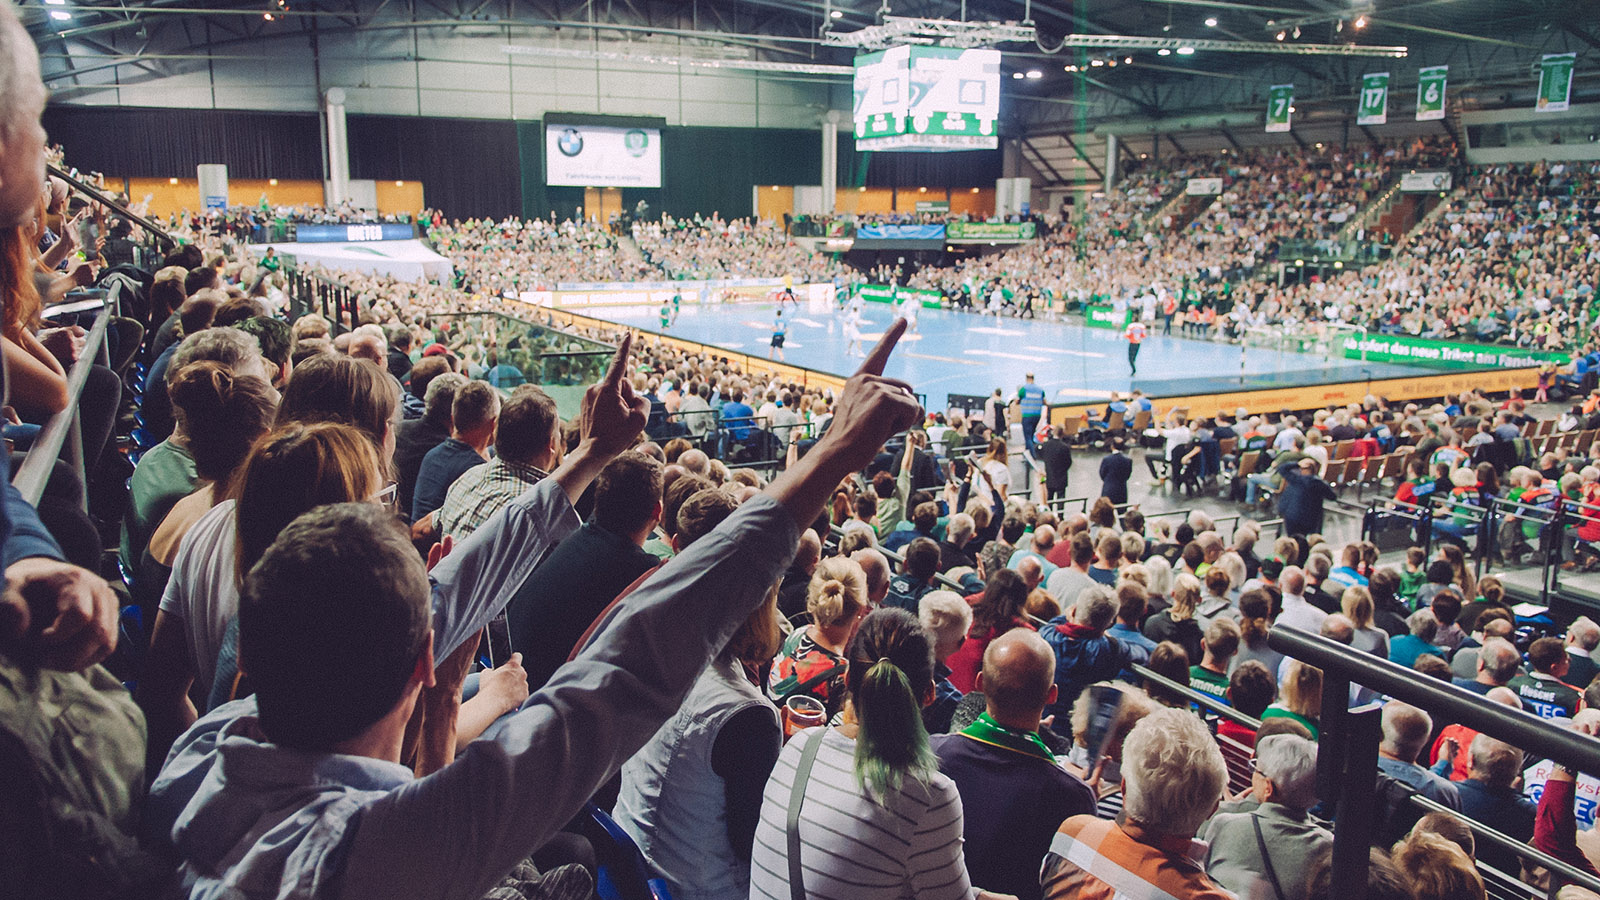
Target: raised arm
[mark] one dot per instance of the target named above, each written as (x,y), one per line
(456,832)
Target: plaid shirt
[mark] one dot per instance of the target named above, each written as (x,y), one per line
(480,492)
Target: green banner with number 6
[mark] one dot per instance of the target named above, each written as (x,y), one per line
(1373,106)
(1280,106)
(1430,92)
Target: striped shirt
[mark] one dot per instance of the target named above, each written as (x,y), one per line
(1092,859)
(852,847)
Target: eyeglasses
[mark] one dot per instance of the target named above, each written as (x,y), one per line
(388,497)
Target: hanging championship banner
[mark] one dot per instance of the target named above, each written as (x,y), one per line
(1279,98)
(1430,92)
(1373,106)
(1555,81)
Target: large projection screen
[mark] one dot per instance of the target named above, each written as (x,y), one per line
(927,98)
(602,154)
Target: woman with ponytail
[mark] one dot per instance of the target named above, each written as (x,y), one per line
(876,819)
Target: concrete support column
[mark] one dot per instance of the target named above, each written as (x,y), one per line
(337,148)
(1111,161)
(830,161)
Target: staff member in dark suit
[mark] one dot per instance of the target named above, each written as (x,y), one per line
(1115,469)
(1056,456)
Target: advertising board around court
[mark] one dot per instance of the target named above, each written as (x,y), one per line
(1107,317)
(889,293)
(1425,182)
(959,232)
(1444,354)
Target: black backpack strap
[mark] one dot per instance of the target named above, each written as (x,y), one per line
(797,799)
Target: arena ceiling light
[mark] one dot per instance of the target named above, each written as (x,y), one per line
(1135,42)
(747,65)
(945,32)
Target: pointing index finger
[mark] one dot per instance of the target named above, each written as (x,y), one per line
(879,357)
(619,362)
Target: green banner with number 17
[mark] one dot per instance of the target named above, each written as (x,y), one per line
(1280,105)
(1430,92)
(1373,106)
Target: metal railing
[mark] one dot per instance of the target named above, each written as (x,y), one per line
(63,431)
(1348,745)
(155,231)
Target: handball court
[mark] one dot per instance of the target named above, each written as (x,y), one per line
(963,353)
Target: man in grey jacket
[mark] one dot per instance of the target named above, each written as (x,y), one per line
(1264,853)
(298,792)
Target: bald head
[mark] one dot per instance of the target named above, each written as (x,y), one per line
(1031,571)
(809,552)
(1505,697)
(1044,539)
(695,461)
(1338,627)
(1498,661)
(1074,523)
(1293,580)
(369,347)
(877,571)
(1018,678)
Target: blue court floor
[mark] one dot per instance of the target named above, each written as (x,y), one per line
(962,353)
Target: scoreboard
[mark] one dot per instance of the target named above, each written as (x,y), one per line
(927,98)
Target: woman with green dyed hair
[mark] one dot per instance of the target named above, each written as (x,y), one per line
(873,818)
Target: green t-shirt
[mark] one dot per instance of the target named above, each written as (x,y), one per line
(1208,682)
(164,476)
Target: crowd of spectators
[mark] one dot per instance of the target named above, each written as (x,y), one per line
(713,247)
(876,672)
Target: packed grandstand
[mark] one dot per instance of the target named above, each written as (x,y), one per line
(328,581)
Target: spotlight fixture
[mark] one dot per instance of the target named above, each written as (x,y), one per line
(1017,75)
(1361,21)
(1097,63)
(268,16)
(272,181)
(1127,60)
(1281,35)
(1112,63)
(1211,21)
(836,14)
(1163,52)
(55,2)
(60,15)
(1186,51)
(1035,73)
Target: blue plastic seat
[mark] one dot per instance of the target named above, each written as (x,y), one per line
(622,873)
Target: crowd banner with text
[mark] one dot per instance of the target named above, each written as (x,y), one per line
(1107,317)
(1280,106)
(1555,82)
(1430,92)
(990,231)
(1203,187)
(1425,182)
(1373,107)
(932,206)
(1444,354)
(889,293)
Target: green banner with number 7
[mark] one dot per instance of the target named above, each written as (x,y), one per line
(1280,106)
(1373,106)
(1430,92)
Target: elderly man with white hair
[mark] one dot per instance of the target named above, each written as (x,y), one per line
(1173,777)
(1262,853)
(947,618)
(1582,639)
(1406,730)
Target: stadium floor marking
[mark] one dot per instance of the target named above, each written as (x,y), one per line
(1003,332)
(1003,355)
(1083,353)
(948,359)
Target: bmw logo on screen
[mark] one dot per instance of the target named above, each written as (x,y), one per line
(570,142)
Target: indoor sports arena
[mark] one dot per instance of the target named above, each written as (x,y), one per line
(786,449)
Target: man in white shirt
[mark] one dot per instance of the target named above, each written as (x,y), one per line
(1297,611)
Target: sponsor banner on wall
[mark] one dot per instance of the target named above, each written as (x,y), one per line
(1424,182)
(1203,187)
(899,232)
(889,293)
(1107,317)
(1444,354)
(991,231)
